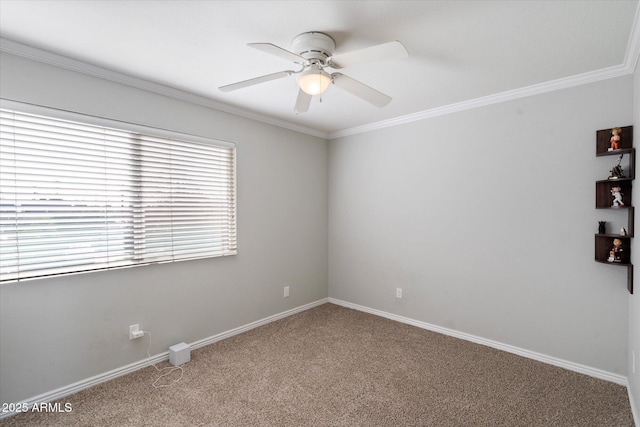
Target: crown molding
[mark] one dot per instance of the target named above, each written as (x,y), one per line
(537,89)
(632,57)
(40,55)
(633,47)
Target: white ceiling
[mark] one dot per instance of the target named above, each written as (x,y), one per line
(458,50)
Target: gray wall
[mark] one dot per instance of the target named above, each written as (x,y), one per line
(634,300)
(486,219)
(54,332)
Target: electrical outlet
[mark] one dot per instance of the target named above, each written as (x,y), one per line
(398,292)
(286,292)
(135,332)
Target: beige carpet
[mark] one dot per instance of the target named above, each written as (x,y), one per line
(332,366)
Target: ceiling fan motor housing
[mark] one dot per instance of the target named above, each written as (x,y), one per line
(313,45)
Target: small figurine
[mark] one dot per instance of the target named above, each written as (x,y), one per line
(601,229)
(615,138)
(617,171)
(617,197)
(616,252)
(623,231)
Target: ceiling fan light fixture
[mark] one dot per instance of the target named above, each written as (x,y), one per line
(314,81)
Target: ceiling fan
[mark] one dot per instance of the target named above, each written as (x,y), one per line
(313,52)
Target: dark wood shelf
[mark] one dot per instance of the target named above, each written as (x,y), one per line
(621,264)
(618,180)
(615,152)
(630,171)
(631,217)
(604,244)
(604,199)
(629,273)
(603,141)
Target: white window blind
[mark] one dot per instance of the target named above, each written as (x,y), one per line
(77,197)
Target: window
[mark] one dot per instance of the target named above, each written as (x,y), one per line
(78,197)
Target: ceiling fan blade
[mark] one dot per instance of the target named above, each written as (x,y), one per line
(278,51)
(302,102)
(381,52)
(255,81)
(360,90)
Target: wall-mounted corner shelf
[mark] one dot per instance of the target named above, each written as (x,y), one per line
(606,251)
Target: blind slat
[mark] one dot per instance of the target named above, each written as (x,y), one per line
(77,197)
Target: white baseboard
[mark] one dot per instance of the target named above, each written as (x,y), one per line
(107,376)
(104,377)
(572,366)
(255,324)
